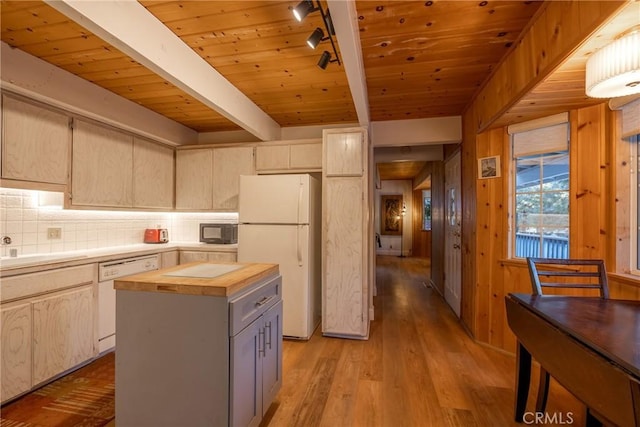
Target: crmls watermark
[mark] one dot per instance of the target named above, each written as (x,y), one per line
(542,418)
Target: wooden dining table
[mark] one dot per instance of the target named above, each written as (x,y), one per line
(591,346)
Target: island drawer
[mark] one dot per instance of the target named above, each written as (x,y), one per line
(248,307)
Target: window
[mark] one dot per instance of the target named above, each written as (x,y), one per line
(540,207)
(426,209)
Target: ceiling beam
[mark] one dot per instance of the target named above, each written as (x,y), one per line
(129,27)
(345,21)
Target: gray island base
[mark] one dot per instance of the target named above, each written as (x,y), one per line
(198,349)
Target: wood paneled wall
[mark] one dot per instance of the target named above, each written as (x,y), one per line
(489,275)
(554,33)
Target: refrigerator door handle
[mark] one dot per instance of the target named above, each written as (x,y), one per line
(299,246)
(300,194)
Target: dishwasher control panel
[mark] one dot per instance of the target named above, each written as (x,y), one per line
(126,267)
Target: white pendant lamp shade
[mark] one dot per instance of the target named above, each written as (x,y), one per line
(614,70)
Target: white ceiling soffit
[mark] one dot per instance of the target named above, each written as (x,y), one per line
(128,26)
(345,22)
(436,130)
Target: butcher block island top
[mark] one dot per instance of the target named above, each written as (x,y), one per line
(199,278)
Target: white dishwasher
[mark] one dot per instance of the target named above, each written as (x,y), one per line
(107,273)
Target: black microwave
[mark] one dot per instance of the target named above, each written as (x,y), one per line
(219,233)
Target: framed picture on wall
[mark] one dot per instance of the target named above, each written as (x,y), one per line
(391,215)
(489,167)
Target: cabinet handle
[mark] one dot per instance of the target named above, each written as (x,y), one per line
(261,348)
(268,325)
(263,301)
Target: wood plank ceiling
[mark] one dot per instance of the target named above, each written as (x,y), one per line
(421,58)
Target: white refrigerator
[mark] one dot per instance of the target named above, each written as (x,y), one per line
(279,222)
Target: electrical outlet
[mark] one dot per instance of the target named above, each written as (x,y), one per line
(54,233)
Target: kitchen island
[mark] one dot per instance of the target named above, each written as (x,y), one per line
(199,344)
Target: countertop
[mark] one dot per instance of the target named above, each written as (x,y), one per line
(41,262)
(172,280)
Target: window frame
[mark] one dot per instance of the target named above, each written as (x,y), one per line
(513,130)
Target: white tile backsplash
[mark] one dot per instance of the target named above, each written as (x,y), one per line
(27,224)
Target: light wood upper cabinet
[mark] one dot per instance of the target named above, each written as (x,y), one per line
(209,178)
(16,349)
(194,179)
(102,166)
(228,164)
(282,157)
(306,156)
(272,157)
(344,153)
(35,143)
(153,174)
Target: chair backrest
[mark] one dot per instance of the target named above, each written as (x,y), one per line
(568,273)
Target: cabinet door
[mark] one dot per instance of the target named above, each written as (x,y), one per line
(35,143)
(222,256)
(153,172)
(344,155)
(306,156)
(102,166)
(272,157)
(62,332)
(246,376)
(169,259)
(272,359)
(193,256)
(228,164)
(194,179)
(344,282)
(16,349)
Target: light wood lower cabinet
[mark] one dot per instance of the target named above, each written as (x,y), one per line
(169,259)
(48,326)
(192,256)
(16,349)
(62,332)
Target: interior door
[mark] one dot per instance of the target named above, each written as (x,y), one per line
(453,233)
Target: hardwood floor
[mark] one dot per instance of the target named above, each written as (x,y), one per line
(418,368)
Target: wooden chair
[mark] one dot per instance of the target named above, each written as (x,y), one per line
(565,274)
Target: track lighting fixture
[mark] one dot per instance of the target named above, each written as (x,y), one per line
(325,58)
(315,38)
(300,12)
(303,8)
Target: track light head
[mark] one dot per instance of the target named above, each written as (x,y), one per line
(303,8)
(315,38)
(325,58)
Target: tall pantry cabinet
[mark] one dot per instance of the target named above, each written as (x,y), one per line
(347,233)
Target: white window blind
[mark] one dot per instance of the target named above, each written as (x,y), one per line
(631,119)
(546,135)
